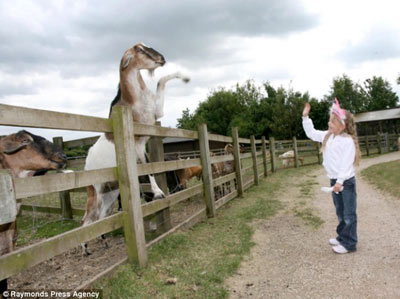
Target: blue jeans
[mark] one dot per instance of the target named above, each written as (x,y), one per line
(346,210)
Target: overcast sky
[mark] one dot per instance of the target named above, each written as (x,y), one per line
(64,55)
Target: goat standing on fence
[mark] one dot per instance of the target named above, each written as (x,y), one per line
(147,108)
(25,154)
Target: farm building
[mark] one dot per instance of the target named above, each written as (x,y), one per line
(381,121)
(186,145)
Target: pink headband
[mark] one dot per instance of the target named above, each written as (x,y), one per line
(339,112)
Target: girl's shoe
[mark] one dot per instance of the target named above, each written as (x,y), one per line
(334,242)
(339,249)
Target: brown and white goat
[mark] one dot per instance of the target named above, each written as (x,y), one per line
(25,154)
(147,107)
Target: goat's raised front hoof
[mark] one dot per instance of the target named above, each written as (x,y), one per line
(158,195)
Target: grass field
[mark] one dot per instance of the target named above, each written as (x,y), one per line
(197,262)
(385,176)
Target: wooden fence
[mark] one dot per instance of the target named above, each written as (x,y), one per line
(126,173)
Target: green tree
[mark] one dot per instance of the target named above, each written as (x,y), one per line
(349,94)
(379,94)
(187,121)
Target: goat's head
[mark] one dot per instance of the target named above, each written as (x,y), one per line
(228,149)
(24,151)
(141,57)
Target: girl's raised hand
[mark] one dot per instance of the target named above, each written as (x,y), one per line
(306,109)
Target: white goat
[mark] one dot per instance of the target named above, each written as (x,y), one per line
(288,157)
(147,108)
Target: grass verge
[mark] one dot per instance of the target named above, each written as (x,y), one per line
(199,261)
(385,176)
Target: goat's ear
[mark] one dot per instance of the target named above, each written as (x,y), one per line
(125,61)
(13,147)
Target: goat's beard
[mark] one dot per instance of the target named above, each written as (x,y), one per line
(151,72)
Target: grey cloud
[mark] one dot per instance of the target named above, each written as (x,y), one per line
(91,36)
(378,44)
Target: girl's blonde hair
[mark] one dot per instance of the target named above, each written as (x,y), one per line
(351,130)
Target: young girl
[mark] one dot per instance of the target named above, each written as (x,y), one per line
(340,152)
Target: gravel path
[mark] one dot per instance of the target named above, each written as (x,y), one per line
(293,260)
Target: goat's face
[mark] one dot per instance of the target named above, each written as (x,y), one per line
(141,57)
(228,149)
(25,151)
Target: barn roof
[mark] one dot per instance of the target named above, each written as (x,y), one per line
(393,113)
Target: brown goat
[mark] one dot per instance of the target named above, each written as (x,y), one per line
(25,154)
(187,173)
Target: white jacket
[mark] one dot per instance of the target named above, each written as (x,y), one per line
(339,153)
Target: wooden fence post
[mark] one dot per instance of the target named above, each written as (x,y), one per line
(264,153)
(379,140)
(272,152)
(366,144)
(254,158)
(319,152)
(156,153)
(207,171)
(296,154)
(8,203)
(129,184)
(386,138)
(238,164)
(65,197)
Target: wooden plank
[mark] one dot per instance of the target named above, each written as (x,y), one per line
(220,138)
(24,258)
(8,203)
(153,130)
(238,164)
(50,210)
(157,205)
(248,184)
(247,169)
(158,167)
(156,153)
(76,163)
(32,186)
(102,275)
(318,146)
(223,158)
(245,156)
(224,179)
(208,185)
(244,140)
(189,222)
(296,154)
(35,118)
(264,155)
(65,198)
(254,158)
(223,200)
(272,153)
(129,184)
(81,142)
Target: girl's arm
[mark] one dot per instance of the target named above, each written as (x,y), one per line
(308,126)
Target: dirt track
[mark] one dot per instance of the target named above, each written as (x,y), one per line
(292,260)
